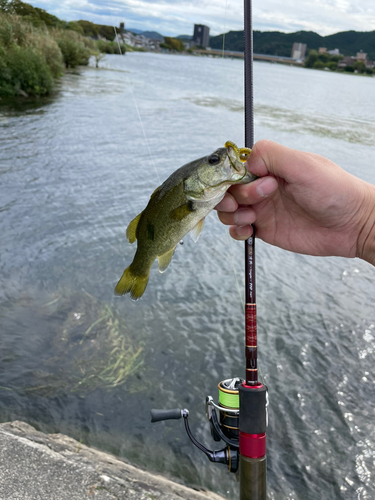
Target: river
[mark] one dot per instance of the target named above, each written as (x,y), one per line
(75,169)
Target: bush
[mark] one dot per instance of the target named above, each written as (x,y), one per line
(50,50)
(360,66)
(13,31)
(319,64)
(24,71)
(73,49)
(324,57)
(311,59)
(349,69)
(74,26)
(172,44)
(110,47)
(332,65)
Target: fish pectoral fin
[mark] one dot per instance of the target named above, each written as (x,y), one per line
(132,228)
(182,211)
(196,231)
(165,259)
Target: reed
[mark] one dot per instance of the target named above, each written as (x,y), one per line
(33,57)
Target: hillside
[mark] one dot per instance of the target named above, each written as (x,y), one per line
(152,34)
(280,44)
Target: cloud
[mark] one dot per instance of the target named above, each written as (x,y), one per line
(172,17)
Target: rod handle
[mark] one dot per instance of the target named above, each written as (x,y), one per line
(159,415)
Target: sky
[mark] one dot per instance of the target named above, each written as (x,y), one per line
(171,18)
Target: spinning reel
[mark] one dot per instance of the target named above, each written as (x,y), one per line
(225,428)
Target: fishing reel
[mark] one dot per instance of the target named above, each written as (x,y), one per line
(225,428)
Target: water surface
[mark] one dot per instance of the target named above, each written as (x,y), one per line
(74,171)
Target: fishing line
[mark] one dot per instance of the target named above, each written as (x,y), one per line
(137,109)
(144,135)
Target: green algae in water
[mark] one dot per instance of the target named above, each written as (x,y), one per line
(90,346)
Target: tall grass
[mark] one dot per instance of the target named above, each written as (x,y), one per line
(32,57)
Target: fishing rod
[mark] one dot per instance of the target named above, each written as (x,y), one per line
(253,394)
(242,403)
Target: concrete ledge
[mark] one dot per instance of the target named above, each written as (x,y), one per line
(38,466)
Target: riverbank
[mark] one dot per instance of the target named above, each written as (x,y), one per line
(33,57)
(34,465)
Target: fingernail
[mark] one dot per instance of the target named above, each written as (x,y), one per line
(244,231)
(267,187)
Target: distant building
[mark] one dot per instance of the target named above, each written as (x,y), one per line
(361,56)
(138,41)
(120,38)
(154,43)
(298,51)
(334,52)
(201,35)
(122,27)
(322,50)
(346,61)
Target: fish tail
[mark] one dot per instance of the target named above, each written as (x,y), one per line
(133,283)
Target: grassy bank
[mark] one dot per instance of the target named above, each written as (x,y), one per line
(31,58)
(35,52)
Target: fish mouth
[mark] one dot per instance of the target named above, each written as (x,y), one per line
(237,155)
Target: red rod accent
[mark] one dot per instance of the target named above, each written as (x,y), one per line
(251,350)
(252,445)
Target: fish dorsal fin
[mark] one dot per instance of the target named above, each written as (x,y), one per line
(132,228)
(196,231)
(165,259)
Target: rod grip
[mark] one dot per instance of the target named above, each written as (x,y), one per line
(253,409)
(159,415)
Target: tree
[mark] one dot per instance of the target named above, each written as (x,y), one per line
(172,44)
(360,66)
(311,59)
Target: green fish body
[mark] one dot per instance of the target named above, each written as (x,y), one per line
(177,207)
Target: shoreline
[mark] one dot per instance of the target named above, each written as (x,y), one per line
(34,465)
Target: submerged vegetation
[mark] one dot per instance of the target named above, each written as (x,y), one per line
(35,47)
(90,348)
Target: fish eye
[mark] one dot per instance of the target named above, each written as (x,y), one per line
(214,159)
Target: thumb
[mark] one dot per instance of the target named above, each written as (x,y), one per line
(271,158)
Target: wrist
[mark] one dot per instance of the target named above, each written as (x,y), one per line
(366,238)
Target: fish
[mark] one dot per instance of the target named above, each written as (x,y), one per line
(177,207)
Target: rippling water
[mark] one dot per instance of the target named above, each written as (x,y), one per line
(75,169)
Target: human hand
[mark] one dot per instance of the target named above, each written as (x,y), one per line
(303,203)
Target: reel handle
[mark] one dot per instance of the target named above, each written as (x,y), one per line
(159,415)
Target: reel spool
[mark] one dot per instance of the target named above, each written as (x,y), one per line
(229,400)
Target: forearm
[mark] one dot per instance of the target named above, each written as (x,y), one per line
(366,238)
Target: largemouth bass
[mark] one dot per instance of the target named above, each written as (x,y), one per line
(178,206)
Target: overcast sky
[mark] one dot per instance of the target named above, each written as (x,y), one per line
(174,17)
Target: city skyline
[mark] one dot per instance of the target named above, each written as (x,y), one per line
(172,18)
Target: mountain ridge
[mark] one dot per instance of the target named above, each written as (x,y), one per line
(280,44)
